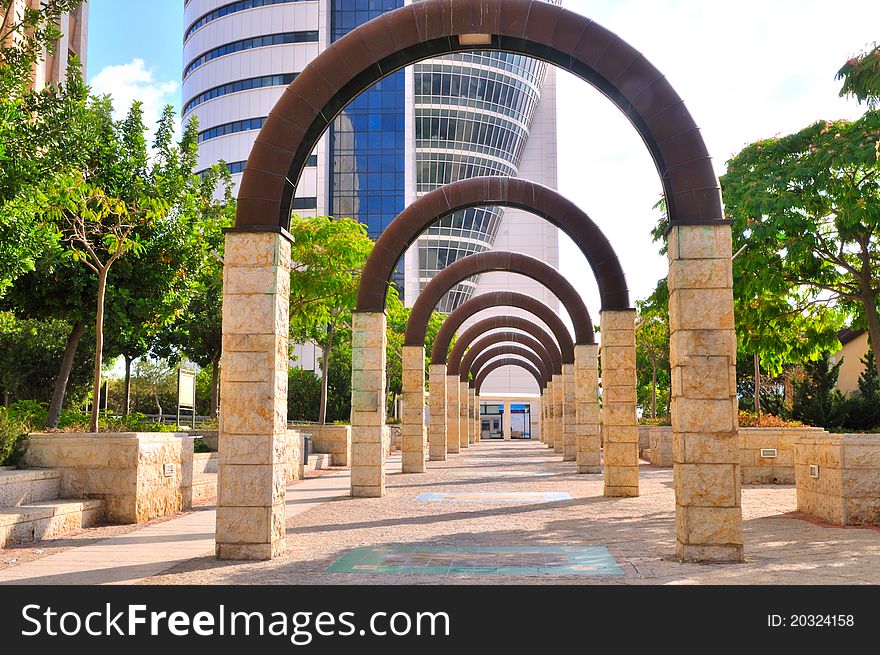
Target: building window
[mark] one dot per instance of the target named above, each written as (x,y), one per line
(231,8)
(248,44)
(237,86)
(232,128)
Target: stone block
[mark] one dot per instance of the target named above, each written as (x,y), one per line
(618,357)
(256,280)
(696,309)
(621,454)
(413,462)
(701,274)
(707,526)
(620,433)
(250,485)
(698,415)
(862,510)
(706,448)
(372,434)
(700,242)
(618,377)
(699,553)
(366,476)
(704,378)
(626,394)
(617,320)
(367,454)
(621,476)
(623,414)
(244,525)
(707,485)
(699,342)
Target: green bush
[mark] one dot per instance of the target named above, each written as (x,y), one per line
(13,438)
(303,395)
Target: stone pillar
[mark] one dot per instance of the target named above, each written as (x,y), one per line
(437,405)
(708,512)
(508,415)
(586,382)
(478,423)
(253,380)
(463,415)
(453,440)
(474,423)
(558,393)
(569,415)
(548,396)
(368,404)
(619,418)
(412,429)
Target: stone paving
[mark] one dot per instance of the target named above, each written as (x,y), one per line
(324,526)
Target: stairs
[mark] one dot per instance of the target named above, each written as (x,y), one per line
(30,507)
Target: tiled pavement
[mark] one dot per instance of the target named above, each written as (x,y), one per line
(516,508)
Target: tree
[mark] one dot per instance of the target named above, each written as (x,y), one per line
(652,344)
(861,77)
(807,206)
(816,399)
(328,256)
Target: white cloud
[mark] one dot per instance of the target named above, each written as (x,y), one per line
(747,70)
(127,83)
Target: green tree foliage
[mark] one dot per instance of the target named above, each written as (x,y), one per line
(303,395)
(865,403)
(817,401)
(807,208)
(328,256)
(861,77)
(652,351)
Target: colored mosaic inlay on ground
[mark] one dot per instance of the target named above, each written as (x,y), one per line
(478,560)
(495,497)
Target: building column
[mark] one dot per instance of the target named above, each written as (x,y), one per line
(474,423)
(253,381)
(463,415)
(619,418)
(478,423)
(551,437)
(453,440)
(558,393)
(708,510)
(586,382)
(368,404)
(412,429)
(437,406)
(507,421)
(569,415)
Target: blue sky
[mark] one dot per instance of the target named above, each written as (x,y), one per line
(748,70)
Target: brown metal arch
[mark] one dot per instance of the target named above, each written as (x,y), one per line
(500,363)
(460,361)
(496,191)
(484,301)
(508,349)
(433,27)
(504,338)
(498,260)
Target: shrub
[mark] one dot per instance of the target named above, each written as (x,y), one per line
(13,438)
(752,420)
(660,420)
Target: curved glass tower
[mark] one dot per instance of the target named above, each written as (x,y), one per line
(473,116)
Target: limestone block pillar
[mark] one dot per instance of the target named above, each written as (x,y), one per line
(437,405)
(368,405)
(508,415)
(474,416)
(569,415)
(253,381)
(453,440)
(548,395)
(464,422)
(412,429)
(478,422)
(708,511)
(586,382)
(558,394)
(619,416)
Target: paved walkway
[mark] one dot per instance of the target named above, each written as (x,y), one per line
(132,557)
(466,520)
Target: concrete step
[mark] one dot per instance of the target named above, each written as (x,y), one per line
(44,519)
(28,486)
(318,461)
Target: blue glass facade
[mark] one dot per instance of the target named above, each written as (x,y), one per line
(367,141)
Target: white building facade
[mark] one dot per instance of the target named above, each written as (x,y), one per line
(441,120)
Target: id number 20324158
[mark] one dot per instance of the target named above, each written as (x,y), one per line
(810,621)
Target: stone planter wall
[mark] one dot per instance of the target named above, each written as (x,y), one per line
(657,439)
(759,469)
(334,440)
(126,469)
(205,463)
(845,487)
(755,468)
(293,465)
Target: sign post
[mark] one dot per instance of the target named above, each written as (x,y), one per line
(186,394)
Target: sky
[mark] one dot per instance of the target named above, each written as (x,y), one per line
(747,70)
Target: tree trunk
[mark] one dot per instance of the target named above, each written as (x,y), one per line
(99,347)
(873,320)
(126,396)
(757,386)
(215,385)
(653,387)
(159,407)
(57,401)
(325,364)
